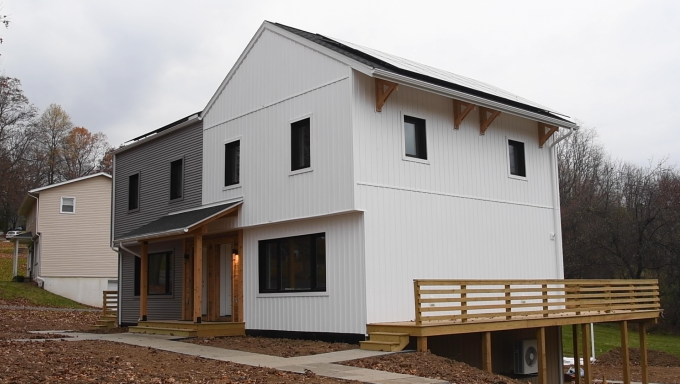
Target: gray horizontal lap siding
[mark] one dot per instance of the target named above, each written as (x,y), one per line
(152,160)
(159,307)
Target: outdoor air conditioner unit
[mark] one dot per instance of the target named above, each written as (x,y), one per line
(525,357)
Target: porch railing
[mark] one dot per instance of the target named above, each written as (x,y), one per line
(110,303)
(465,300)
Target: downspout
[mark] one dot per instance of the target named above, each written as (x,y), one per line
(557,220)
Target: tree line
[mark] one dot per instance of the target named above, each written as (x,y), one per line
(620,220)
(39,149)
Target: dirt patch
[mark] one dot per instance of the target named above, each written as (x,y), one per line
(15,324)
(271,346)
(107,362)
(654,358)
(425,364)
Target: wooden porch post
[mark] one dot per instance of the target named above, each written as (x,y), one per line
(585,342)
(643,353)
(625,352)
(542,363)
(198,275)
(577,359)
(188,281)
(486,352)
(421,342)
(143,281)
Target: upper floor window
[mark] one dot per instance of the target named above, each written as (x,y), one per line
(232,163)
(300,143)
(517,164)
(415,142)
(176,179)
(133,192)
(293,264)
(68,205)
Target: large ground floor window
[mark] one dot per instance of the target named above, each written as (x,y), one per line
(293,264)
(159,274)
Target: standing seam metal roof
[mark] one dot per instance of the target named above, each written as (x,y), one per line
(412,69)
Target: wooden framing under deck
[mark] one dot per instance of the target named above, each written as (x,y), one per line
(456,307)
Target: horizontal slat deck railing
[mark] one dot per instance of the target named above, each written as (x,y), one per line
(464,300)
(110,303)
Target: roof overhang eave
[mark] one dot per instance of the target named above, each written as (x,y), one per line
(476,100)
(150,236)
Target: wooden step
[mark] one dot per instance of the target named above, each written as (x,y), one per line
(384,346)
(386,341)
(164,331)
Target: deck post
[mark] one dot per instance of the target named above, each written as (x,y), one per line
(486,352)
(577,359)
(643,352)
(625,352)
(416,298)
(422,343)
(585,342)
(144,281)
(198,276)
(542,366)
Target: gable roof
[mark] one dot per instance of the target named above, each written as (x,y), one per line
(181,123)
(402,71)
(28,201)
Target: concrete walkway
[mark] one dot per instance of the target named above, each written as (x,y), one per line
(321,364)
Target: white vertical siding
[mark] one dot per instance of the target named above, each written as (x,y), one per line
(341,310)
(282,81)
(274,69)
(461,215)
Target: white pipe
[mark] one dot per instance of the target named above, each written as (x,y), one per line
(15,266)
(37,232)
(592,341)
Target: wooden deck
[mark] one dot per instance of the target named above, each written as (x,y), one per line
(454,307)
(190,329)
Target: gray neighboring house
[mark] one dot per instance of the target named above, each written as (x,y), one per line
(142,194)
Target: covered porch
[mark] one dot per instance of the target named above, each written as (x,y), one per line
(211,273)
(489,310)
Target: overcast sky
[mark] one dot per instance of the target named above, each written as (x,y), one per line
(128,67)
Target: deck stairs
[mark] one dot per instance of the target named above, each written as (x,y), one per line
(385,341)
(107,321)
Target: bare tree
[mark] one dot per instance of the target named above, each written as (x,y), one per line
(53,126)
(82,152)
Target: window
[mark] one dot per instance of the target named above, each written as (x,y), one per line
(176,179)
(68,205)
(293,264)
(232,163)
(159,274)
(415,143)
(516,152)
(133,192)
(300,145)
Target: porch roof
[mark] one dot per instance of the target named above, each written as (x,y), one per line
(179,223)
(23,238)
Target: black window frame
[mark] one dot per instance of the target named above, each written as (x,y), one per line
(134,193)
(232,163)
(318,280)
(169,275)
(177,179)
(301,144)
(516,157)
(420,138)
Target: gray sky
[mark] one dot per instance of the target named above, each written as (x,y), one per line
(128,67)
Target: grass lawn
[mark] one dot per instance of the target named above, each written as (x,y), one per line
(608,336)
(6,267)
(36,296)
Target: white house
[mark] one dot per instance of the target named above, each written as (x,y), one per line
(68,229)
